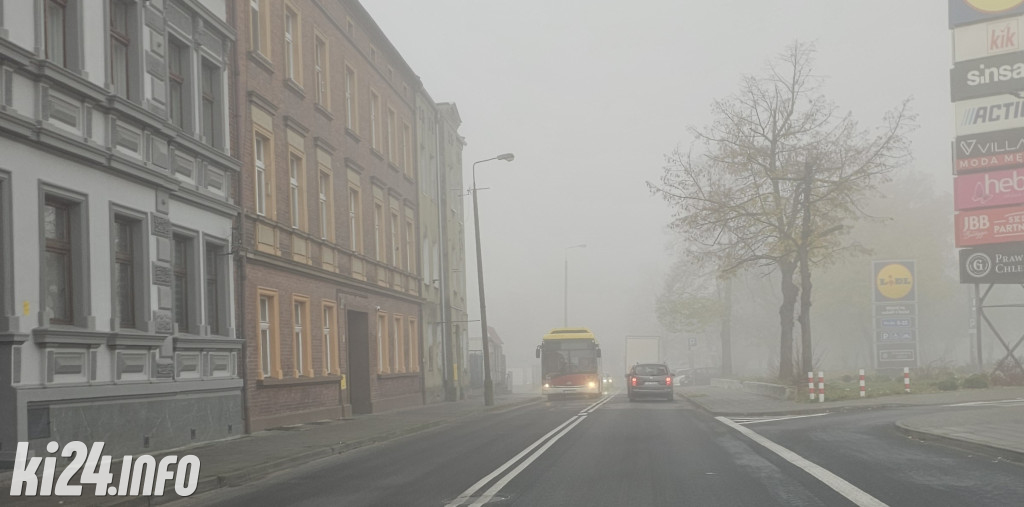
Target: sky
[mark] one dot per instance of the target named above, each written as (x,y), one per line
(591,95)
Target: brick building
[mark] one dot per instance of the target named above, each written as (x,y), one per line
(329,279)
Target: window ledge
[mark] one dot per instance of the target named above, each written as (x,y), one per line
(377,154)
(394,167)
(132,338)
(351,133)
(258,58)
(294,87)
(195,342)
(291,381)
(69,335)
(397,375)
(320,108)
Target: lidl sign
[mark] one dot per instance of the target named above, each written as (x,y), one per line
(894,281)
(964,12)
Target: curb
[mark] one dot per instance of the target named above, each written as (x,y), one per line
(799,411)
(966,445)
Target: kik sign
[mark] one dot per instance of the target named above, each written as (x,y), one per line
(963,12)
(986,39)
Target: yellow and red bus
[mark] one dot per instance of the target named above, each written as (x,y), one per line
(570,363)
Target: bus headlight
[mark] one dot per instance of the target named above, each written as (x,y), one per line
(591,385)
(546,386)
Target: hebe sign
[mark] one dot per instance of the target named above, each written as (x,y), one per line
(988,226)
(989,151)
(983,190)
(986,39)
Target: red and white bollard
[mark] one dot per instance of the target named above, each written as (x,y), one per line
(906,380)
(861,383)
(810,384)
(821,387)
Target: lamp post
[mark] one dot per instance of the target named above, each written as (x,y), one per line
(488,385)
(565,306)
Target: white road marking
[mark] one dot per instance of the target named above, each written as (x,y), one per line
(755,420)
(543,443)
(851,492)
(1005,403)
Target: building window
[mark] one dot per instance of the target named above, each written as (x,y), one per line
(320,71)
(378,234)
(214,290)
(383,366)
(58,275)
(260,145)
(182,288)
(297,194)
(291,45)
(330,354)
(56,17)
(269,346)
(398,345)
(355,222)
(412,339)
(120,41)
(405,148)
(303,362)
(374,121)
(126,259)
(177,73)
(326,205)
(258,26)
(396,242)
(410,250)
(350,99)
(212,128)
(391,141)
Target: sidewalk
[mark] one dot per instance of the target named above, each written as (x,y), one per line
(986,428)
(248,458)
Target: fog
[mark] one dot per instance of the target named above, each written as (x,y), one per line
(590,96)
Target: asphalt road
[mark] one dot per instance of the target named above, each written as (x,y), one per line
(613,453)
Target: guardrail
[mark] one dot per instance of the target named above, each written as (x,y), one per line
(763,388)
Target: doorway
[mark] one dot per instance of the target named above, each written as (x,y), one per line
(358,329)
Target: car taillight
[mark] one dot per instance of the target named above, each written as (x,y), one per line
(632,381)
(668,381)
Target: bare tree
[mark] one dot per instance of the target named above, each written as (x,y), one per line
(773,182)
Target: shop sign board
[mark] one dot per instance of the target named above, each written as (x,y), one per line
(992,264)
(964,12)
(993,150)
(989,226)
(988,189)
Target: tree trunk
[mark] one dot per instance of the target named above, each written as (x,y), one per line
(787,268)
(726,333)
(803,254)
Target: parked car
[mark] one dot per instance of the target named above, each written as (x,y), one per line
(650,380)
(684,377)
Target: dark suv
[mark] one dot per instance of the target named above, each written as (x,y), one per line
(651,379)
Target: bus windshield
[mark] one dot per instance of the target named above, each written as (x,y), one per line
(566,360)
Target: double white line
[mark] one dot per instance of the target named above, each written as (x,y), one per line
(523,459)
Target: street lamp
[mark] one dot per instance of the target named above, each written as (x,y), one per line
(488,385)
(565,317)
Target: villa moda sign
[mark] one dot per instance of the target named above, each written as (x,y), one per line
(988,189)
(963,12)
(992,264)
(995,75)
(993,150)
(989,114)
(986,39)
(988,226)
